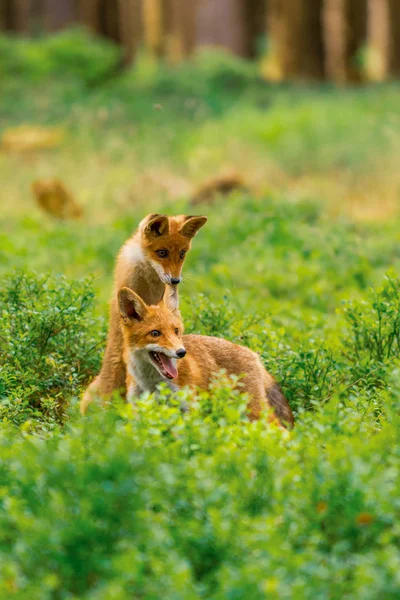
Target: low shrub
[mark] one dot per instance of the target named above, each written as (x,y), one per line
(154,502)
(70,54)
(372,342)
(49,345)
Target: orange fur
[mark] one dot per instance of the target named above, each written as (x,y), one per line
(205,356)
(140,268)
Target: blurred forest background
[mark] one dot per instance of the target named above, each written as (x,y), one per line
(339,40)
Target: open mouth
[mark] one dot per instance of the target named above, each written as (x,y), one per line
(164,364)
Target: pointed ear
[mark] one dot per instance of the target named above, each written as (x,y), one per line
(131,306)
(156,226)
(171,298)
(191,225)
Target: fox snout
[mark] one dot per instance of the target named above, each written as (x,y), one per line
(181,353)
(176,280)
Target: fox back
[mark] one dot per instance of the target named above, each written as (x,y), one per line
(156,351)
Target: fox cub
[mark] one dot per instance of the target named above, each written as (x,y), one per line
(155,350)
(149,261)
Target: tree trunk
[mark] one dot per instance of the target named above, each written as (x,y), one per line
(256,18)
(109,20)
(22,16)
(6,16)
(131,27)
(152,26)
(223,23)
(384,39)
(187,12)
(394,15)
(89,14)
(345,32)
(179,25)
(295,31)
(59,14)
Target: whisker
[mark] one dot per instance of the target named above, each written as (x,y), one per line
(190,286)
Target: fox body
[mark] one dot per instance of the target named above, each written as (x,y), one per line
(148,262)
(155,351)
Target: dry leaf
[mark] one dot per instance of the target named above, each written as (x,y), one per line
(53,197)
(26,138)
(364,518)
(221,185)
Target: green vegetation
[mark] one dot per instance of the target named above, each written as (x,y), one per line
(158,501)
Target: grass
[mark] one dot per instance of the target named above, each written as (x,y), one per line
(303,268)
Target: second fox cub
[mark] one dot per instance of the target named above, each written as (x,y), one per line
(150,260)
(155,351)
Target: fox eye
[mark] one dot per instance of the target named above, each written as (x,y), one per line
(176,331)
(155,333)
(162,253)
(182,253)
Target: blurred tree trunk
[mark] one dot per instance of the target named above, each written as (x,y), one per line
(394,6)
(109,23)
(223,23)
(384,39)
(187,11)
(89,14)
(295,30)
(256,18)
(179,24)
(152,26)
(59,14)
(131,27)
(345,29)
(21,16)
(5,15)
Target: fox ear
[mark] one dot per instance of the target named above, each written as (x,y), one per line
(131,306)
(156,226)
(171,298)
(191,225)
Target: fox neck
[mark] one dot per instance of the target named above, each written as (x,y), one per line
(134,270)
(145,375)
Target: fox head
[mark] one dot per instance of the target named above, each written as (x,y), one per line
(152,333)
(165,242)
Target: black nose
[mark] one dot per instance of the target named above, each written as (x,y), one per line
(181,352)
(175,280)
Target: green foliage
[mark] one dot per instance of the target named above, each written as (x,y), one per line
(375,326)
(72,54)
(217,72)
(373,339)
(154,502)
(49,345)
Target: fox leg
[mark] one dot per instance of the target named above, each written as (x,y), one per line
(112,375)
(91,392)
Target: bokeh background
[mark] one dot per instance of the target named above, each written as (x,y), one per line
(339,40)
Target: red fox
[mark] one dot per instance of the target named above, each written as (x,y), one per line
(155,351)
(149,261)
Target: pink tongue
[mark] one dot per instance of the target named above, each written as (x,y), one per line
(168,365)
